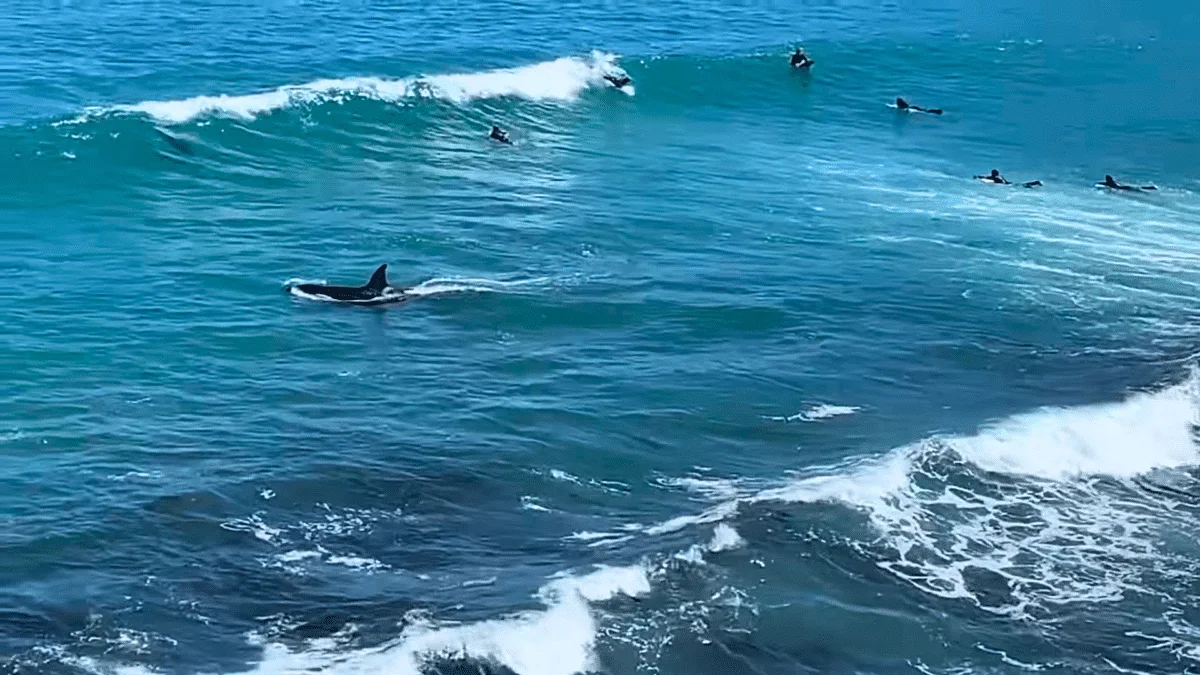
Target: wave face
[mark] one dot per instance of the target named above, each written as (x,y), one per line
(735,370)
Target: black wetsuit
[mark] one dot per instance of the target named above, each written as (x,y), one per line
(500,135)
(618,81)
(995,177)
(801,60)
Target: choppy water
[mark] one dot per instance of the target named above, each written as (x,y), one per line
(738,372)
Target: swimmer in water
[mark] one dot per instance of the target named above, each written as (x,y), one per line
(1112,184)
(995,177)
(618,81)
(801,60)
(901,104)
(500,135)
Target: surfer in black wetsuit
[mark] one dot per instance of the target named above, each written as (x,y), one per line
(1112,184)
(500,135)
(901,104)
(995,177)
(618,81)
(801,60)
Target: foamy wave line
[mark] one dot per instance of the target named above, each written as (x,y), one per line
(518,642)
(558,80)
(945,506)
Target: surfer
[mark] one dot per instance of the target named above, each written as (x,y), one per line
(500,135)
(800,59)
(995,177)
(901,104)
(618,81)
(1112,184)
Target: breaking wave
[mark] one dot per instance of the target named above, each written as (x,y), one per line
(562,79)
(517,642)
(1041,509)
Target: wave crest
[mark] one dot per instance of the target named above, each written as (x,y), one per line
(562,79)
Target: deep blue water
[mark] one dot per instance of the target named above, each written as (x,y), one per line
(736,372)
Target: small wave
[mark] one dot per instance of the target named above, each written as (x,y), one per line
(821,411)
(357,563)
(725,538)
(558,80)
(10,436)
(517,642)
(531,504)
(254,525)
(712,488)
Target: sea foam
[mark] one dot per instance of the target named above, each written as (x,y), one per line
(562,79)
(1026,502)
(557,640)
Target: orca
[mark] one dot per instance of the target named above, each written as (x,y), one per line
(905,106)
(377,291)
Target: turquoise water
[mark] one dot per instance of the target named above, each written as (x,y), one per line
(738,372)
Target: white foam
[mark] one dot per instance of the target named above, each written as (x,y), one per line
(725,538)
(297,556)
(254,525)
(1145,432)
(592,536)
(559,474)
(821,411)
(1019,502)
(357,563)
(1040,522)
(531,504)
(716,514)
(693,555)
(467,285)
(712,488)
(562,79)
(557,640)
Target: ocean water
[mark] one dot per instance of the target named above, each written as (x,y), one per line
(735,372)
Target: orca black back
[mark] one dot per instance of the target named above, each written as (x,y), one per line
(376,291)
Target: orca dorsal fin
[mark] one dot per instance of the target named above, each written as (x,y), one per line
(379,280)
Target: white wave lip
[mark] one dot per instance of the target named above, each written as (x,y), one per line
(562,79)
(556,641)
(725,538)
(821,411)
(1147,431)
